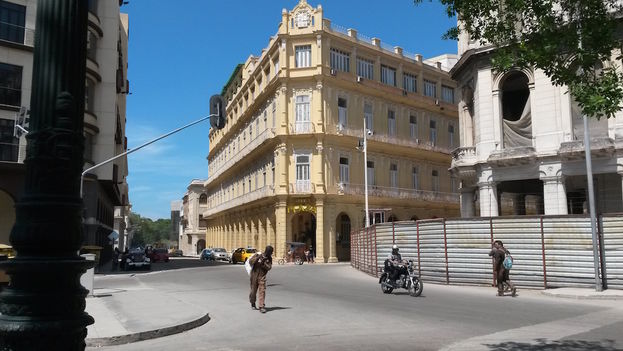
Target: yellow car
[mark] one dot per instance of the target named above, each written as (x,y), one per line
(242,254)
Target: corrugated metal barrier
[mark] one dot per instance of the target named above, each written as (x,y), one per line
(548,251)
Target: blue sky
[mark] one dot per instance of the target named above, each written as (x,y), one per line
(182,52)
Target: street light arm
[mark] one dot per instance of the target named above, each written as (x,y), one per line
(136,149)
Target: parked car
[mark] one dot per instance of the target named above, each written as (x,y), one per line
(176,253)
(220,254)
(136,259)
(242,254)
(206,254)
(158,255)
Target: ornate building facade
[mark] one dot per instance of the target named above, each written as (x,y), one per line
(287,168)
(522,148)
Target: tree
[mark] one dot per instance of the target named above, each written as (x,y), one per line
(574,42)
(147,231)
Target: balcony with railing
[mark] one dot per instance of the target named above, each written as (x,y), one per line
(302,127)
(13,33)
(465,154)
(265,191)
(396,193)
(395,140)
(259,140)
(302,187)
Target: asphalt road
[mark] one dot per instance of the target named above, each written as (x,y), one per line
(335,307)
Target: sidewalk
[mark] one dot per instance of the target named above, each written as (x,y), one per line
(584,293)
(129,315)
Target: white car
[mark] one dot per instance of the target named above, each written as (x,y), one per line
(220,254)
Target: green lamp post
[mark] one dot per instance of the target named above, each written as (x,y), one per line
(43,307)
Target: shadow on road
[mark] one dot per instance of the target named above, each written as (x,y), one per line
(276,308)
(567,345)
(174,263)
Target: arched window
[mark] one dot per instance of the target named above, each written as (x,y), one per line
(516,114)
(203,199)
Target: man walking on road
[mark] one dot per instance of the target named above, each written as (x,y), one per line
(499,252)
(261,263)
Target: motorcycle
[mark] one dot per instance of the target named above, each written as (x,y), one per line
(409,281)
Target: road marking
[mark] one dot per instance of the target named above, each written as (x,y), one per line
(554,330)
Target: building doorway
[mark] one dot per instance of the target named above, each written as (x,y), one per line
(201,244)
(343,227)
(304,228)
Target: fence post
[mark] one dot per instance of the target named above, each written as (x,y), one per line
(492,263)
(445,248)
(376,256)
(543,252)
(417,230)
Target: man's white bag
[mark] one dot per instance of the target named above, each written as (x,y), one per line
(247,266)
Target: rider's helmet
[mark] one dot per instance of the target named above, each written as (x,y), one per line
(395,249)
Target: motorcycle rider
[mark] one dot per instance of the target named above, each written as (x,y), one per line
(395,265)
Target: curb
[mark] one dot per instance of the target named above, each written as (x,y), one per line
(582,297)
(146,335)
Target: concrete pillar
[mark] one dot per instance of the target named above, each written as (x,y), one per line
(554,195)
(317,168)
(270,231)
(281,168)
(488,199)
(467,202)
(330,226)
(280,228)
(320,248)
(261,223)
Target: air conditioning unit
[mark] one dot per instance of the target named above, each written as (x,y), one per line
(359,79)
(333,72)
(404,92)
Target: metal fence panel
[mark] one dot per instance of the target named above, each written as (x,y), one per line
(612,229)
(569,252)
(432,251)
(522,237)
(469,243)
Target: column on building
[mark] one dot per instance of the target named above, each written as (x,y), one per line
(281,168)
(255,233)
(554,192)
(320,226)
(280,228)
(488,197)
(261,222)
(331,230)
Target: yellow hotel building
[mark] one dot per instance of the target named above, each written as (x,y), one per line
(287,167)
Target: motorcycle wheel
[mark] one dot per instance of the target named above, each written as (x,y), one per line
(386,288)
(416,287)
(281,261)
(298,260)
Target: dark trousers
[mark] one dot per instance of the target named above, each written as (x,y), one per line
(502,276)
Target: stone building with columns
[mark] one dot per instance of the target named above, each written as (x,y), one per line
(192,235)
(521,143)
(287,167)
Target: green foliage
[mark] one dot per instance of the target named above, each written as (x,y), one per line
(147,231)
(571,41)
